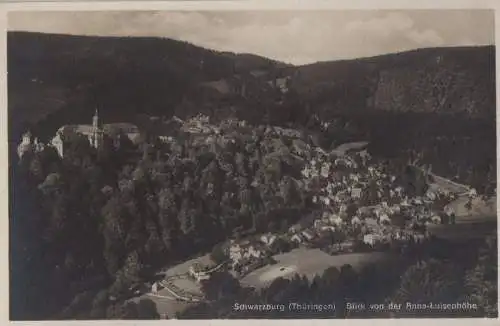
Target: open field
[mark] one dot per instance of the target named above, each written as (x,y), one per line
(183,268)
(440,183)
(308,262)
(478,222)
(446,184)
(188,285)
(481,210)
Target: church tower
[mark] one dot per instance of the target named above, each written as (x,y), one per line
(95,120)
(27,138)
(25,144)
(96,138)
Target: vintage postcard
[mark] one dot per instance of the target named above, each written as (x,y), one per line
(247,162)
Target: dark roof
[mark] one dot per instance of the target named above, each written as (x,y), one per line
(121,127)
(112,128)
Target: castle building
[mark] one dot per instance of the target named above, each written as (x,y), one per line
(96,133)
(25,144)
(28,143)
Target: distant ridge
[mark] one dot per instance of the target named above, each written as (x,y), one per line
(60,78)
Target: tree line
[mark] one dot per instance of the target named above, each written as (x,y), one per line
(436,274)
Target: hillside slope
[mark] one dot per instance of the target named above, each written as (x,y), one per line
(53,73)
(396,101)
(443,80)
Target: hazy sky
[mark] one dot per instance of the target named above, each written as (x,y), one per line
(297,37)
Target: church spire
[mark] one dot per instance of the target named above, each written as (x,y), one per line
(96,137)
(95,119)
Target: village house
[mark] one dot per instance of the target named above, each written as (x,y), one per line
(268,239)
(372,239)
(399,191)
(166,139)
(318,223)
(335,219)
(436,219)
(296,228)
(235,254)
(431,195)
(377,211)
(405,203)
(395,209)
(154,288)
(198,273)
(253,252)
(356,220)
(354,177)
(365,156)
(392,193)
(417,201)
(356,193)
(297,238)
(403,235)
(472,193)
(325,170)
(198,125)
(449,211)
(308,234)
(371,223)
(239,253)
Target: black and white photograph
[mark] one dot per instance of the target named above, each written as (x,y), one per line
(252,164)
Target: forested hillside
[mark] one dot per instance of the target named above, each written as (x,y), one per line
(414,101)
(70,75)
(439,80)
(93,224)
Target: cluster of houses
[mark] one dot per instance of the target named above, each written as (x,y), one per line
(250,254)
(343,217)
(199,124)
(335,195)
(279,131)
(199,272)
(244,256)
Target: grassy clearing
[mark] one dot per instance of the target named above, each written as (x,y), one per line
(308,262)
